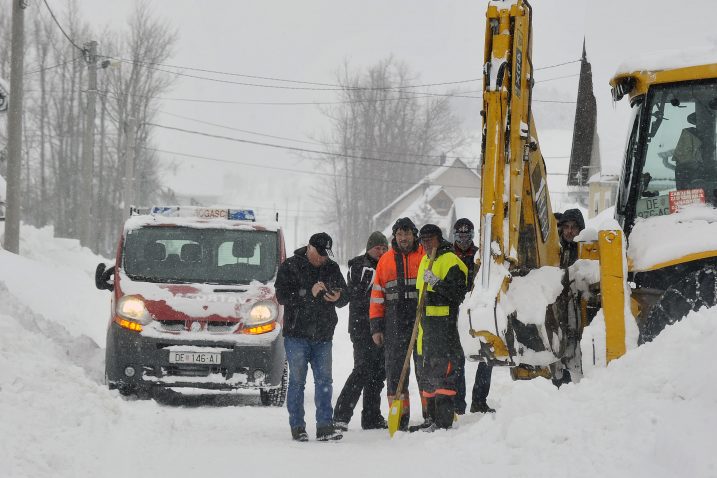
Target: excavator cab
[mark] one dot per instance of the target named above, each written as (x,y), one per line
(670,163)
(670,160)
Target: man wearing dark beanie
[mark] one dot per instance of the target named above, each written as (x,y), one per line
(368,373)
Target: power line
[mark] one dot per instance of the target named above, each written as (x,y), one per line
(313,151)
(302,88)
(347,88)
(218,125)
(301,150)
(299,171)
(329,86)
(84,52)
(312,83)
(323,103)
(51,67)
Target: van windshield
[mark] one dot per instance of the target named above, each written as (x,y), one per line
(177,254)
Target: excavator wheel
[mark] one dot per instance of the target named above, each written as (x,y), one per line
(697,289)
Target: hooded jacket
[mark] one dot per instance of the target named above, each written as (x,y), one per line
(306,316)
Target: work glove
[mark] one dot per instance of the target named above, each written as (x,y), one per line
(431,278)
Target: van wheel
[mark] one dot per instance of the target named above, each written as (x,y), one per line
(275,397)
(697,289)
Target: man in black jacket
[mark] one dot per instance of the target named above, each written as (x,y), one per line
(465,249)
(369,372)
(310,286)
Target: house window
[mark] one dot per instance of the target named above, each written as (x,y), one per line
(441,204)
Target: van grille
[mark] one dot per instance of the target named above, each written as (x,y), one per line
(214,327)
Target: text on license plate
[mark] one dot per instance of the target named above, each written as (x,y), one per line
(205,358)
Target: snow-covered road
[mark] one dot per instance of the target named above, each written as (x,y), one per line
(652,413)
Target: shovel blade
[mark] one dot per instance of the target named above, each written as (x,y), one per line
(394,416)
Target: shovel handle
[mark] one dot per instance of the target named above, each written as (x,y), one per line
(414,334)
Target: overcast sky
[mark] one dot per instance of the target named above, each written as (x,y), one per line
(309,40)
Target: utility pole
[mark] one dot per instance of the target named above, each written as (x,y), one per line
(14,128)
(131,132)
(88,147)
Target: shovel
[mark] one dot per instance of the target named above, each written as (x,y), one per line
(394,414)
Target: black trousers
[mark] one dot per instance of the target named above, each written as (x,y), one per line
(481,386)
(366,377)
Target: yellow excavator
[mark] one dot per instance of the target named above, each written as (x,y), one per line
(637,282)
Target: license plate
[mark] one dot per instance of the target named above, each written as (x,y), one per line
(201,358)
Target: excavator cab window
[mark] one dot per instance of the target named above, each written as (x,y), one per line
(626,179)
(677,164)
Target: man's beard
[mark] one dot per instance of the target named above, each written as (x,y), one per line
(405,249)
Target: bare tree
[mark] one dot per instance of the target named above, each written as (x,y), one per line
(56,79)
(379,128)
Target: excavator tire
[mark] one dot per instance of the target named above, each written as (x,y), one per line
(694,291)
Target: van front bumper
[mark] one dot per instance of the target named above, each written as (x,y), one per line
(138,361)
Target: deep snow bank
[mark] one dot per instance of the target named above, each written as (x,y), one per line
(54,277)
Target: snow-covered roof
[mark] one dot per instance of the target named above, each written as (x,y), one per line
(421,212)
(428,179)
(668,59)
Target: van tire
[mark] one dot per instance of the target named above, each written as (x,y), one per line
(276,397)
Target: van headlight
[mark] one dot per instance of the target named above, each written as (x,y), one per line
(132,308)
(261,313)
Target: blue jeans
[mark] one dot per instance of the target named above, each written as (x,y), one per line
(300,353)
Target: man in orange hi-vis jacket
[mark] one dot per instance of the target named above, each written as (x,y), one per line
(392,309)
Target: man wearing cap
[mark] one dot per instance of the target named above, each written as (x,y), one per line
(368,373)
(310,286)
(438,344)
(465,249)
(392,308)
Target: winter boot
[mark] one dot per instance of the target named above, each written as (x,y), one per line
(444,411)
(481,406)
(328,433)
(299,434)
(341,426)
(374,423)
(429,413)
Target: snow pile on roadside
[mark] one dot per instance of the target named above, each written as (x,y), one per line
(54,277)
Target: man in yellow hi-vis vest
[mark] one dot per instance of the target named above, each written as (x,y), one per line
(438,344)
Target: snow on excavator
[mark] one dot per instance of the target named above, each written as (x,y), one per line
(538,318)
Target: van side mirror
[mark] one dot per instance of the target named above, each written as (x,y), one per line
(103,277)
